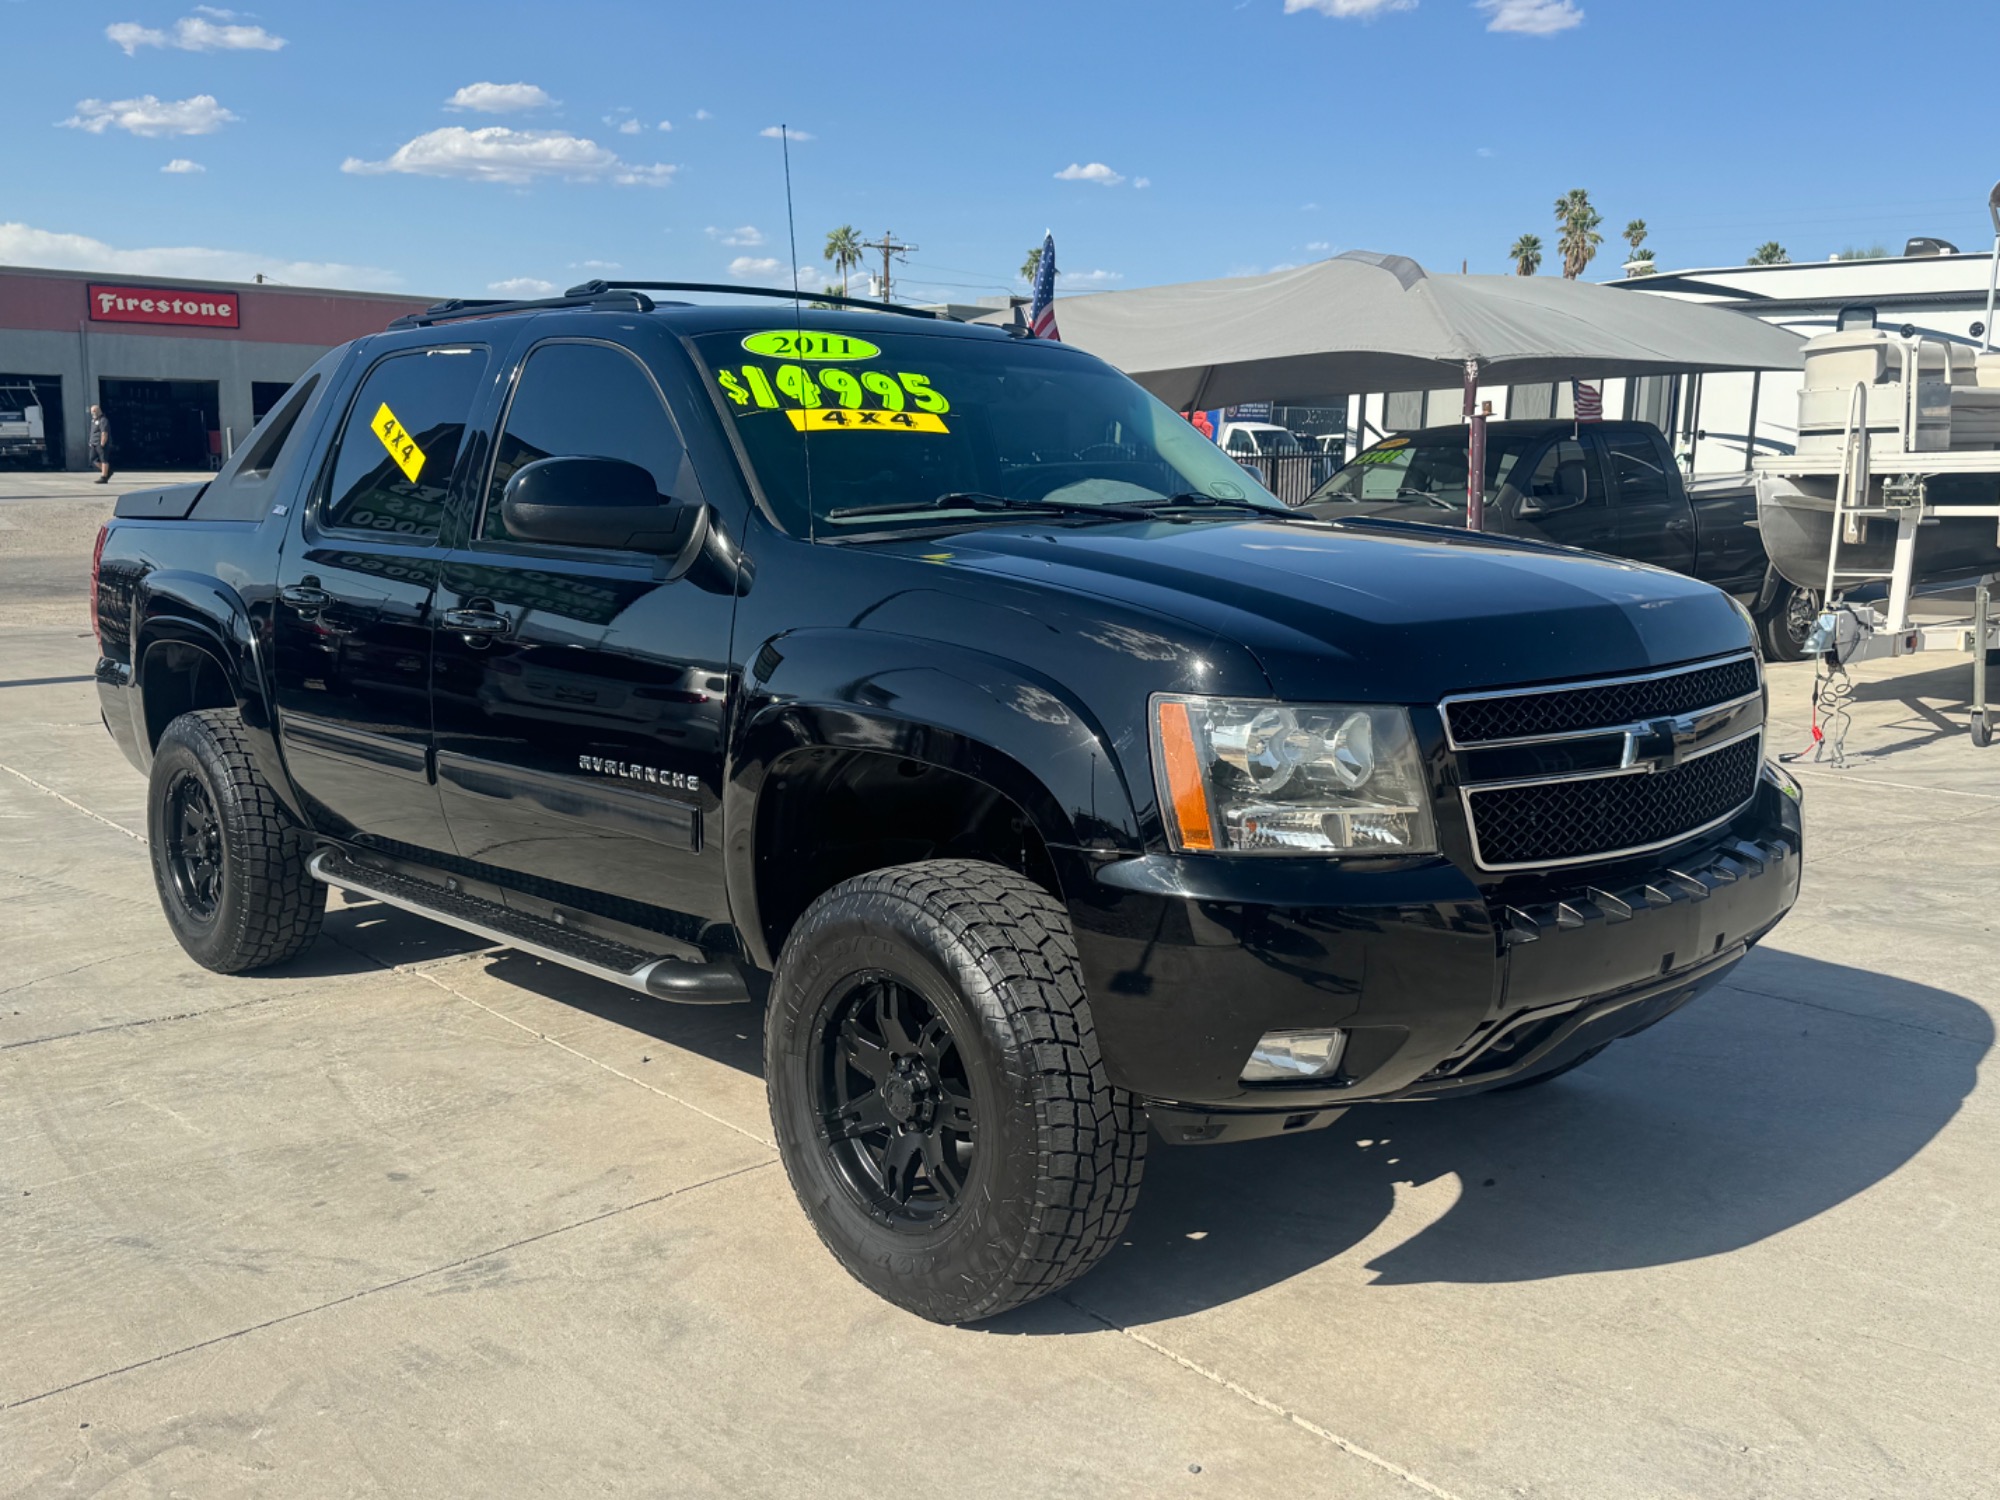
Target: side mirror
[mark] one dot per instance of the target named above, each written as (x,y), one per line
(595,502)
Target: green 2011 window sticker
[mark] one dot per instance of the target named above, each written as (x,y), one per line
(792,343)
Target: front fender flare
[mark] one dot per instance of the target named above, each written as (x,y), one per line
(965,711)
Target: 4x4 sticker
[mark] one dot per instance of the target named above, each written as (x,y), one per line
(785,343)
(839,419)
(402,447)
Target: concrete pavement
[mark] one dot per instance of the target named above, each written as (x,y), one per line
(412,1215)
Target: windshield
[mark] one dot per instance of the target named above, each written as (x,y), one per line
(903,425)
(1426,468)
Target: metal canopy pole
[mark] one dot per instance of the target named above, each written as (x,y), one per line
(1475,454)
(1993,272)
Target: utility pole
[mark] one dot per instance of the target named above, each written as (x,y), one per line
(889,246)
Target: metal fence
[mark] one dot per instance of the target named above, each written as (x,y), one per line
(1290,476)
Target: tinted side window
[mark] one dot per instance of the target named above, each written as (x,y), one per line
(1636,471)
(1563,475)
(392,469)
(583,400)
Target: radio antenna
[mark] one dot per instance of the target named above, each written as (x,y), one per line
(798,332)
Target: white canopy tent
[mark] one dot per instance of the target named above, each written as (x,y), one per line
(1368,322)
(1364,322)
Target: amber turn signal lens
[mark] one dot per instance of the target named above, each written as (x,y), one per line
(1189,797)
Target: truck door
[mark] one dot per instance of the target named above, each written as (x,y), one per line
(581,697)
(1649,508)
(352,624)
(1562,498)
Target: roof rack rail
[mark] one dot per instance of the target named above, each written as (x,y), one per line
(598,288)
(611,299)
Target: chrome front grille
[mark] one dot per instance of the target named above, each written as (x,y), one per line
(1618,766)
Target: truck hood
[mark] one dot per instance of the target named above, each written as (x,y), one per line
(1377,610)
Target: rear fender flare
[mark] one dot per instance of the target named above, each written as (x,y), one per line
(191,610)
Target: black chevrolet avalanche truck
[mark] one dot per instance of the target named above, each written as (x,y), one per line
(1051,784)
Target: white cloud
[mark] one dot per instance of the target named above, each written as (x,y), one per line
(499,98)
(1349,10)
(1142,182)
(743,237)
(775,132)
(494,153)
(523,286)
(1531,17)
(1094,172)
(1484,151)
(630,127)
(1081,280)
(22,245)
(132,36)
(180,166)
(595,265)
(210,31)
(702,114)
(755,267)
(148,115)
(1320,246)
(665,125)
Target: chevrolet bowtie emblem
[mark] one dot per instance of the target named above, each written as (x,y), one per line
(1660,744)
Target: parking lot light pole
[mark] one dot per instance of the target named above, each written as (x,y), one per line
(1475,455)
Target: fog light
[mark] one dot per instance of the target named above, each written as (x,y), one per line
(1294,1056)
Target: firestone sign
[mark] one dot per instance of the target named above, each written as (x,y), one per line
(145,304)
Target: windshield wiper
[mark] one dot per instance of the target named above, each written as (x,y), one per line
(980,500)
(1215,502)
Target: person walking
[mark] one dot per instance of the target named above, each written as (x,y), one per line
(100,444)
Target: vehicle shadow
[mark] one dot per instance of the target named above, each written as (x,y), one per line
(1769,1101)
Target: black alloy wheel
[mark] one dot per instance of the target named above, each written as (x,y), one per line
(896,1102)
(194,846)
(228,859)
(938,1097)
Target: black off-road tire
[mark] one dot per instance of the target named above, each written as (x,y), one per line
(264,908)
(1057,1151)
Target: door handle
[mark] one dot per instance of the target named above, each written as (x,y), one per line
(305,596)
(477,622)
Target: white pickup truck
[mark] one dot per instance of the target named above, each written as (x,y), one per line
(23,434)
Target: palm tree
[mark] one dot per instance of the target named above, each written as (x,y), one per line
(1580,238)
(1635,236)
(1527,255)
(1770,253)
(843,249)
(1031,265)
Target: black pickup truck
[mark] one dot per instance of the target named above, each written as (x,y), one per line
(1052,785)
(1610,487)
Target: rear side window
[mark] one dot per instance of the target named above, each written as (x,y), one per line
(1636,473)
(588,400)
(271,435)
(392,468)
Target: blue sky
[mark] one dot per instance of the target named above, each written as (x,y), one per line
(1161,142)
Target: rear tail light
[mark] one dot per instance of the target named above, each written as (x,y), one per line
(96,563)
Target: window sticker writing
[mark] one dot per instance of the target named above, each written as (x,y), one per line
(402,447)
(754,388)
(1380,456)
(786,343)
(839,419)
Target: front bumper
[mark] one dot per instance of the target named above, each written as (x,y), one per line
(1445,984)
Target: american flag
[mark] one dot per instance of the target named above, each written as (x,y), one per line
(1042,317)
(1589,401)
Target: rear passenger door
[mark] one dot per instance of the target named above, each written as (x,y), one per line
(352,622)
(1653,521)
(581,730)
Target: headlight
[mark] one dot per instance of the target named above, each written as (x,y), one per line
(1237,776)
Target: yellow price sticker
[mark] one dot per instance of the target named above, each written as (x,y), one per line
(846,419)
(402,447)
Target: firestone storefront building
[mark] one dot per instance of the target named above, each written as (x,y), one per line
(183,369)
